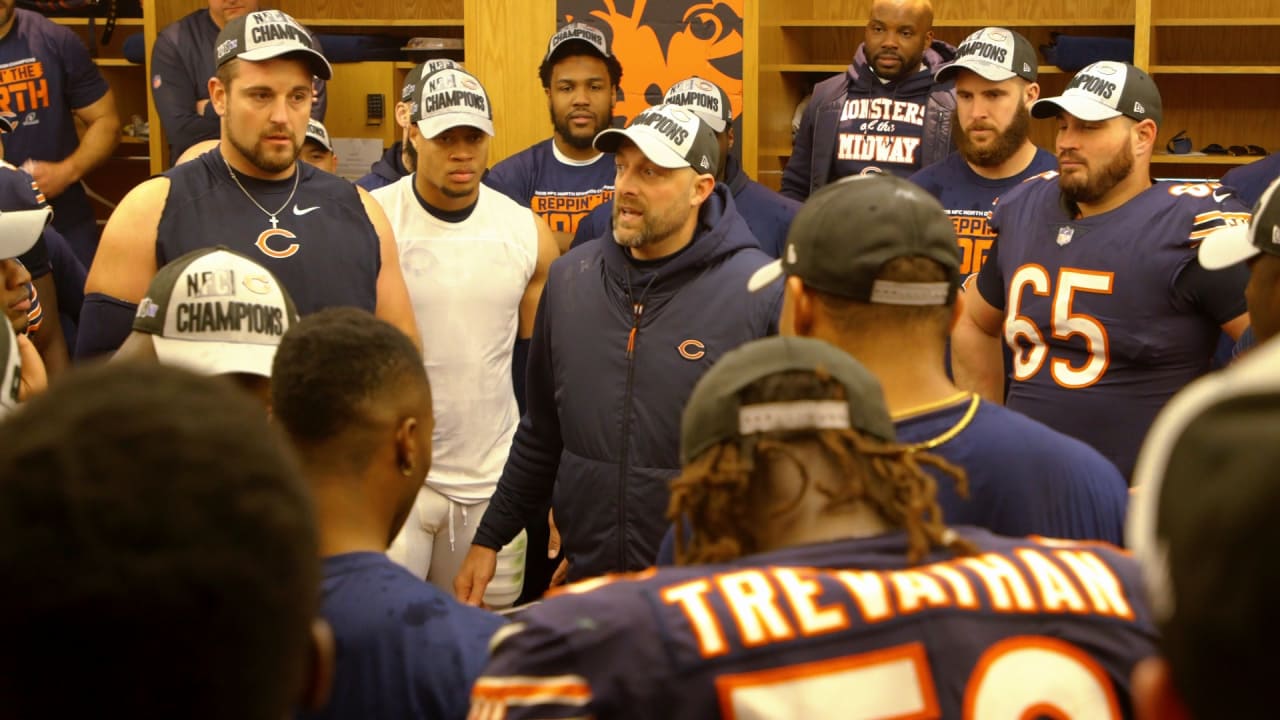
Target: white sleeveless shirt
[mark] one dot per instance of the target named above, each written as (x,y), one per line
(466,281)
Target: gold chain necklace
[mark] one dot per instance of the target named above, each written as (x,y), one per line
(954,430)
(271,216)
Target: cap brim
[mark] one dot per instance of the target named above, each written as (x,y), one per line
(713,121)
(433,126)
(1227,246)
(319,141)
(215,358)
(20,229)
(1084,108)
(765,276)
(989,71)
(320,66)
(658,152)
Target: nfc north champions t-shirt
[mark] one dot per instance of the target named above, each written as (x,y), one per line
(557,189)
(45,74)
(969,199)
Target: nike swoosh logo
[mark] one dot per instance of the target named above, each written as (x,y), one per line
(1219,198)
(303,211)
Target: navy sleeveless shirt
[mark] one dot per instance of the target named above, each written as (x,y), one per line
(324,249)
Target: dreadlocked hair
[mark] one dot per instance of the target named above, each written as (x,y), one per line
(713,492)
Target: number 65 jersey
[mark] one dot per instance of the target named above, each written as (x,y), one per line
(1108,316)
(846,629)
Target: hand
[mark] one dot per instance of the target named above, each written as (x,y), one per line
(53,177)
(34,378)
(201,105)
(553,538)
(473,577)
(561,573)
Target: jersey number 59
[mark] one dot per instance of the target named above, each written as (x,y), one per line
(1028,341)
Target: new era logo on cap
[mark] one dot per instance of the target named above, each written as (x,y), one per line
(996,54)
(705,99)
(268,34)
(451,98)
(581,32)
(216,311)
(1105,90)
(670,136)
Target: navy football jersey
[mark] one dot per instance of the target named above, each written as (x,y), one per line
(323,247)
(969,198)
(1101,333)
(557,191)
(1022,629)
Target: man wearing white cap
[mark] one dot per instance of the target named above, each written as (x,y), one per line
(475,263)
(767,213)
(327,241)
(995,77)
(317,150)
(624,330)
(400,159)
(564,177)
(1092,281)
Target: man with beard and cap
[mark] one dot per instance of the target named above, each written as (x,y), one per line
(886,113)
(767,213)
(181,65)
(995,77)
(623,331)
(1093,281)
(564,177)
(400,159)
(327,241)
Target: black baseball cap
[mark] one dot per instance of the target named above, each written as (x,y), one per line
(671,136)
(268,34)
(1233,244)
(715,412)
(705,99)
(1105,90)
(413,79)
(996,54)
(848,230)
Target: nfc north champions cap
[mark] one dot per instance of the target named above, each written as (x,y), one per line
(412,79)
(715,412)
(20,229)
(705,99)
(1105,90)
(670,136)
(268,34)
(996,54)
(317,132)
(1202,519)
(1232,244)
(579,32)
(451,98)
(849,229)
(216,311)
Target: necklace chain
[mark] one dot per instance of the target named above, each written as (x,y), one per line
(271,216)
(954,430)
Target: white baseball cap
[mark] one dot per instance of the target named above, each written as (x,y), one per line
(450,98)
(215,311)
(670,136)
(1105,90)
(20,229)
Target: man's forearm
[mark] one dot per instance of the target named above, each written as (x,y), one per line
(977,361)
(96,145)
